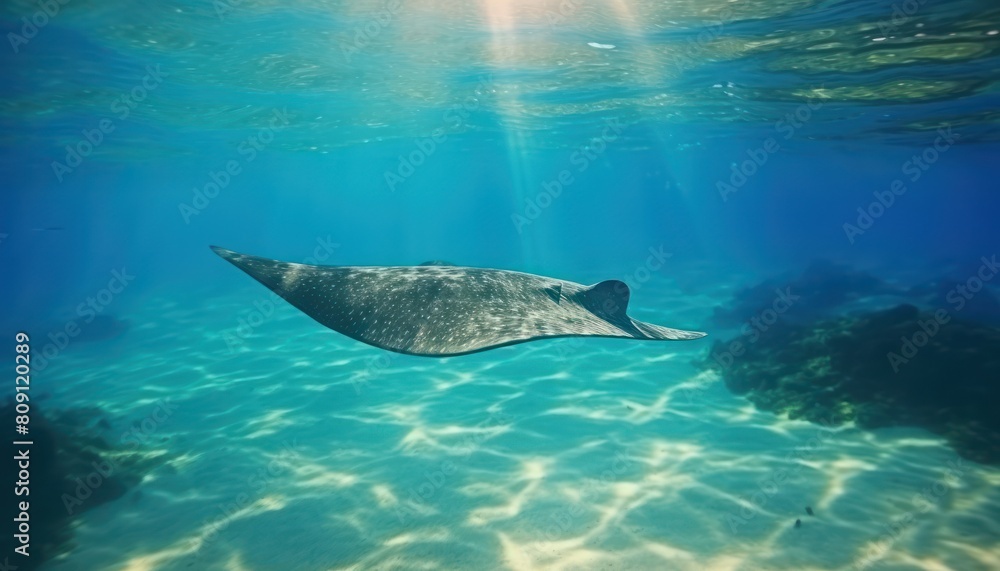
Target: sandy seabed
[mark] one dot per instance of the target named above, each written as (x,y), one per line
(298,448)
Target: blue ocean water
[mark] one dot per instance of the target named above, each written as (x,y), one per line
(711,155)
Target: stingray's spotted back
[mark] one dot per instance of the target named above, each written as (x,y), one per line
(441,310)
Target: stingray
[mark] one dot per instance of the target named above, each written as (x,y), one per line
(442,310)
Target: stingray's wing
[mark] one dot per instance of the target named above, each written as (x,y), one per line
(442,311)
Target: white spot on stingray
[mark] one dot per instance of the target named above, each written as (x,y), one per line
(291,276)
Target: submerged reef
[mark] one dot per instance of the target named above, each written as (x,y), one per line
(982,306)
(822,287)
(71,468)
(893,367)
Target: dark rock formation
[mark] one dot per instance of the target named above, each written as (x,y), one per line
(822,287)
(895,367)
(72,469)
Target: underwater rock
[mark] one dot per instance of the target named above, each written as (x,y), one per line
(72,469)
(437,263)
(897,367)
(822,287)
(954,295)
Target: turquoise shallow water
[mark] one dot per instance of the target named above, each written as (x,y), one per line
(302,449)
(706,153)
